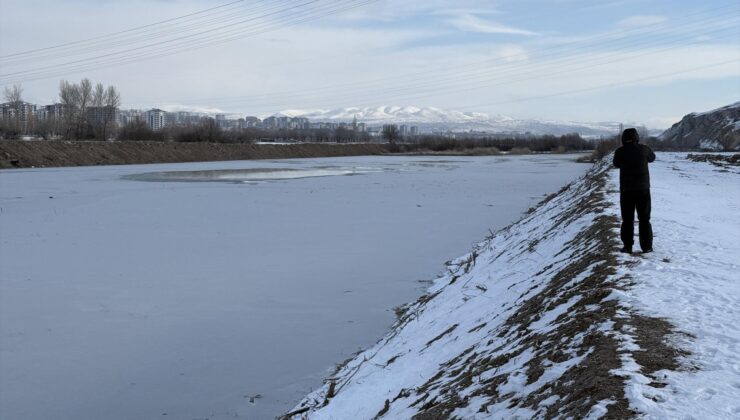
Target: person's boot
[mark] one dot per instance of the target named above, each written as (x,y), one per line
(626,249)
(645,251)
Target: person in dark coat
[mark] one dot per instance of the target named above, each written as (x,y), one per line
(634,189)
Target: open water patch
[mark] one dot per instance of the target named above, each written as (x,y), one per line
(248,175)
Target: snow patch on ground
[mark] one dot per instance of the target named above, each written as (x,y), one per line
(710,144)
(691,280)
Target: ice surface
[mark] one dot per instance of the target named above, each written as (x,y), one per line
(122,299)
(247,175)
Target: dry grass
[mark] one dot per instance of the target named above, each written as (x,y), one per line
(520,151)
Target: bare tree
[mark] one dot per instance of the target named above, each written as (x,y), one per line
(98,95)
(44,128)
(13,94)
(69,97)
(77,99)
(85,95)
(67,93)
(390,133)
(96,115)
(86,90)
(112,97)
(111,100)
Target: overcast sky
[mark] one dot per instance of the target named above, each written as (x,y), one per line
(641,61)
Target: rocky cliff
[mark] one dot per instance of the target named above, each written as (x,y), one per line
(715,130)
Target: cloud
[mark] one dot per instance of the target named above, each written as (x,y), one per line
(466,11)
(398,10)
(470,23)
(512,53)
(641,20)
(662,122)
(417,58)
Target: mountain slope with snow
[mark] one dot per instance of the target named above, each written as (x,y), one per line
(390,114)
(432,119)
(718,129)
(545,319)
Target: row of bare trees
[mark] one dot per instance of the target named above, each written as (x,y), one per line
(88,110)
(84,111)
(13,125)
(208,131)
(13,94)
(532,143)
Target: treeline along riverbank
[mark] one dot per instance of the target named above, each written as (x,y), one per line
(52,153)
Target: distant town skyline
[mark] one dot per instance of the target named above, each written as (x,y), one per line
(571,60)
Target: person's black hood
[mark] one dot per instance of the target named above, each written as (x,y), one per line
(630,135)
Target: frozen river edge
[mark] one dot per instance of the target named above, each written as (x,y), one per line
(190,289)
(544,319)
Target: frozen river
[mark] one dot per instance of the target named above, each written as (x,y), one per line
(226,289)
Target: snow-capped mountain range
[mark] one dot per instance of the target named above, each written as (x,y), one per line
(431,119)
(391,114)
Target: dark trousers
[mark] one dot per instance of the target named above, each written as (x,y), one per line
(629,201)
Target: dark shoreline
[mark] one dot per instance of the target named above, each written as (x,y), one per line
(39,154)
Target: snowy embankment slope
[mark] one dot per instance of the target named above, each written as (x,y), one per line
(544,319)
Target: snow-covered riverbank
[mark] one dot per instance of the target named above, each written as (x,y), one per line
(692,281)
(545,319)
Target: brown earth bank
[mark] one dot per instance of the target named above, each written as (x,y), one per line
(28,154)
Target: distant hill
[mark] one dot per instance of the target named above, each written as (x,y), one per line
(431,119)
(717,130)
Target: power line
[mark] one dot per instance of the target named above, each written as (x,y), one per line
(215,23)
(606,86)
(463,84)
(121,32)
(460,82)
(430,92)
(306,2)
(471,68)
(162,51)
(545,70)
(109,59)
(599,87)
(166,51)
